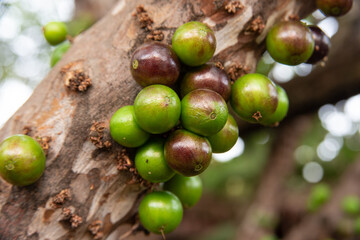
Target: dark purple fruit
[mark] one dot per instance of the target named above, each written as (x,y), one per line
(155,63)
(334,8)
(254,97)
(203,112)
(290,42)
(207,76)
(187,153)
(322,45)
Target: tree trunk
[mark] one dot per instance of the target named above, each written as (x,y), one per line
(98,190)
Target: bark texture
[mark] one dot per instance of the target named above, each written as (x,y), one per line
(100,194)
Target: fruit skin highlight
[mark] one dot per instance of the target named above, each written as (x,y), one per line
(124,129)
(207,76)
(290,43)
(335,8)
(187,189)
(157,109)
(150,162)
(160,212)
(155,63)
(203,112)
(187,153)
(22,160)
(194,43)
(55,32)
(224,140)
(253,97)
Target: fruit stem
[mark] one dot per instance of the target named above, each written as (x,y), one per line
(162,233)
(131,231)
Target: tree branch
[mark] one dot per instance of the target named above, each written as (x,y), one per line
(99,191)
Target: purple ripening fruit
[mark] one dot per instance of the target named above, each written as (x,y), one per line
(155,63)
(290,42)
(322,45)
(187,153)
(334,8)
(207,76)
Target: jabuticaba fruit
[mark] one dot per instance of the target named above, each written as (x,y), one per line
(207,76)
(22,160)
(187,153)
(155,63)
(253,97)
(290,42)
(194,43)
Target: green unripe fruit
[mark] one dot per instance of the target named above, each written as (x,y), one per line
(124,129)
(157,109)
(203,112)
(351,205)
(22,160)
(253,97)
(290,42)
(319,195)
(224,140)
(55,32)
(58,52)
(281,110)
(187,153)
(150,162)
(187,189)
(160,212)
(194,43)
(334,8)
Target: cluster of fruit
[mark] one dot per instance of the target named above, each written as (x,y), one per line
(292,42)
(206,125)
(201,116)
(56,33)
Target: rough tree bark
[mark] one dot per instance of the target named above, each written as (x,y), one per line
(99,191)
